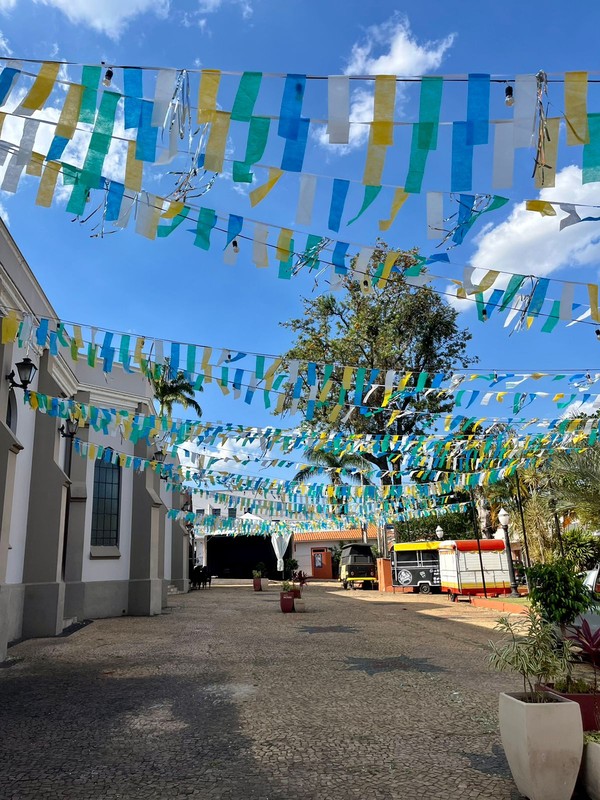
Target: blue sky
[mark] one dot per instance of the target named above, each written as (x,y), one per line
(171,289)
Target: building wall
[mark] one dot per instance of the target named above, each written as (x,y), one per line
(50,575)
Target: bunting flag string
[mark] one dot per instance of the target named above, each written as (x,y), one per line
(170,109)
(463,457)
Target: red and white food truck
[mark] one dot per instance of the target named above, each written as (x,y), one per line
(461,567)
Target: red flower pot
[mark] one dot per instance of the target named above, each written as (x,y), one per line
(286,601)
(257,584)
(589,703)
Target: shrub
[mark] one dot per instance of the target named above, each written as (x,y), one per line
(557,593)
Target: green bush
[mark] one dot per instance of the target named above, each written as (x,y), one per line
(557,593)
(582,549)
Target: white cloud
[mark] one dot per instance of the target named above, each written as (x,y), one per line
(5,48)
(7,5)
(105,16)
(529,243)
(388,49)
(4,214)
(212,6)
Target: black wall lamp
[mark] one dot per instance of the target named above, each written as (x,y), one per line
(26,370)
(69,429)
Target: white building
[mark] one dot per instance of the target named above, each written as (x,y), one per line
(79,539)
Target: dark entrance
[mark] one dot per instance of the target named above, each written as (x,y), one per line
(237,556)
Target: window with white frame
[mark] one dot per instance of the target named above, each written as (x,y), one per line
(106,504)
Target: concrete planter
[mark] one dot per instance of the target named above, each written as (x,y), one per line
(299,606)
(543,743)
(591,770)
(264,584)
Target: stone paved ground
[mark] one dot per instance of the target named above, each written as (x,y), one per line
(364,696)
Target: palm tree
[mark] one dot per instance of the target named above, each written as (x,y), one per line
(170,389)
(340,469)
(577,483)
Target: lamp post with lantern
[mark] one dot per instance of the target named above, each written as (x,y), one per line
(503,519)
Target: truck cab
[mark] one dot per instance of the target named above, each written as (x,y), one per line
(357,567)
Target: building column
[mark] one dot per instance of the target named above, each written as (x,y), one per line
(145,575)
(180,549)
(73,555)
(43,611)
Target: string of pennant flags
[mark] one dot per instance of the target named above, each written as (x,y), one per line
(170,112)
(424,462)
(290,383)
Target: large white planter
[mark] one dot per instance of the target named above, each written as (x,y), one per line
(543,743)
(591,770)
(264,584)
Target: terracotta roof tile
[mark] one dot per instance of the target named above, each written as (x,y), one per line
(348,535)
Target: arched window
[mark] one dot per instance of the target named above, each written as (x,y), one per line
(11,411)
(106,504)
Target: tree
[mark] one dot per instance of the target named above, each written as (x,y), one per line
(396,327)
(344,468)
(169,389)
(577,483)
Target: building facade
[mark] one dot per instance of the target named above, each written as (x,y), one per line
(79,538)
(314,550)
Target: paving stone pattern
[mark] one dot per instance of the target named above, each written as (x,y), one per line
(226,697)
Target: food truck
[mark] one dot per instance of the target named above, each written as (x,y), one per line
(452,566)
(416,565)
(460,567)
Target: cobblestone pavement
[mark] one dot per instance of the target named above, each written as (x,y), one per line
(223,696)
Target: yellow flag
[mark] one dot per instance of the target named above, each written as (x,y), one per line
(207,95)
(67,122)
(133,169)
(399,199)
(576,87)
(284,243)
(47,184)
(258,194)
(42,86)
(10,327)
(217,140)
(383,114)
(545,208)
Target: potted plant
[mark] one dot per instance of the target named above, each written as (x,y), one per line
(301,579)
(286,597)
(256,580)
(590,769)
(264,581)
(541,733)
(558,593)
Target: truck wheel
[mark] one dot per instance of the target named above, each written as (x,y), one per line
(425,588)
(345,584)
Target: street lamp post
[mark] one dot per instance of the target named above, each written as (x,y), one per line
(503,518)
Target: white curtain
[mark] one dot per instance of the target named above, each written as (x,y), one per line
(280,544)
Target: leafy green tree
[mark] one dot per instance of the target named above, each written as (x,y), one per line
(170,388)
(456,525)
(396,327)
(340,469)
(582,549)
(577,483)
(556,592)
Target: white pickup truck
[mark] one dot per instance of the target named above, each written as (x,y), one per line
(592,582)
